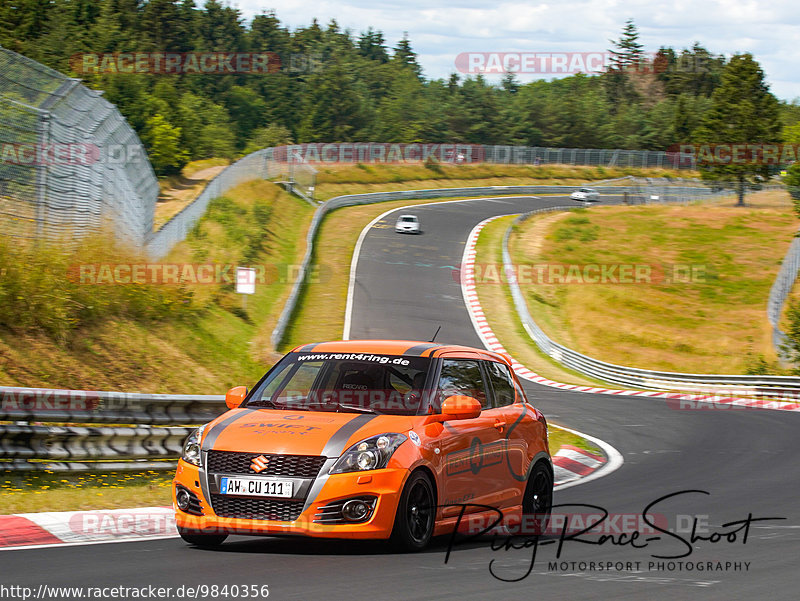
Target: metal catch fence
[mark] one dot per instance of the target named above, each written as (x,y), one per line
(68,159)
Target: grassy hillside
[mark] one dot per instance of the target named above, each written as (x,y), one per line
(702,307)
(188,338)
(199,337)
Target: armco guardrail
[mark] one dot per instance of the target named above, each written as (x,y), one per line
(147,436)
(91,407)
(758,386)
(679,193)
(779,292)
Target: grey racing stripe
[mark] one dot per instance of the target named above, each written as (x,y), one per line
(307,348)
(208,443)
(335,444)
(333,450)
(211,437)
(416,351)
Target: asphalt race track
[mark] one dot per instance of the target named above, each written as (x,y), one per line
(743,459)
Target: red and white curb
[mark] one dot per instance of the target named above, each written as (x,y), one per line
(681,400)
(571,464)
(60,528)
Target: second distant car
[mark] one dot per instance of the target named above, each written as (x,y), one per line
(407,224)
(585,195)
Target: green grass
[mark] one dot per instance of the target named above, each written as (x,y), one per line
(49,491)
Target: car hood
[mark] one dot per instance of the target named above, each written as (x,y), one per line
(298,432)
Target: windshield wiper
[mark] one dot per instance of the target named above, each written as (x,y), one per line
(262,402)
(356,409)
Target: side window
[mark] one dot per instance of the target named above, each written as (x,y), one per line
(502,382)
(462,376)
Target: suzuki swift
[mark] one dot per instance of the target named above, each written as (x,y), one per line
(360,439)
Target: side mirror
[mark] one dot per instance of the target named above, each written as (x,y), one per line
(235,396)
(460,407)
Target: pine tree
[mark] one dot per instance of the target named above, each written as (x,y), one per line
(627,51)
(743,111)
(163,26)
(404,55)
(371,45)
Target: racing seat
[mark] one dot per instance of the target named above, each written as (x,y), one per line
(355,389)
(413,397)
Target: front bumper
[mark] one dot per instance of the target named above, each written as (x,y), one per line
(385,485)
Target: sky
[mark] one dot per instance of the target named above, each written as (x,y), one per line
(441,30)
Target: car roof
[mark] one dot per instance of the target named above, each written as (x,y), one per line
(409,348)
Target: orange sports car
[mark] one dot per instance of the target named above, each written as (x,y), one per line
(367,439)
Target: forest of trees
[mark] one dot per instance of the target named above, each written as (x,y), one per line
(336,85)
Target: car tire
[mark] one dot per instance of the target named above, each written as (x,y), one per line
(538,498)
(416,514)
(198,539)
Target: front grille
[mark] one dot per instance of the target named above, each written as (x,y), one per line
(295,466)
(256,509)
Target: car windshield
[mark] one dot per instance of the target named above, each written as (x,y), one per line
(408,218)
(345,382)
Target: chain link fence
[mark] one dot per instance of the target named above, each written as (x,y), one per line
(258,165)
(68,159)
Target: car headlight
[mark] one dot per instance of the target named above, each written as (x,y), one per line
(191,448)
(369,454)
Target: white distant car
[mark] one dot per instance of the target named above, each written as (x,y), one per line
(407,224)
(585,195)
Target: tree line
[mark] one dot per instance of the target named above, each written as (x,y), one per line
(334,85)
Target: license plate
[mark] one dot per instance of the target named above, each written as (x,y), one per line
(258,487)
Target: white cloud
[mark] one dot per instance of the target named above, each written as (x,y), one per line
(440,30)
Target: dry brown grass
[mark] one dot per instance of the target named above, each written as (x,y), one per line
(502,316)
(179,191)
(712,326)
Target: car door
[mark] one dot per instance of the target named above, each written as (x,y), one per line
(507,403)
(473,451)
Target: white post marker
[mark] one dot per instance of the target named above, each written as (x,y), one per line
(245,283)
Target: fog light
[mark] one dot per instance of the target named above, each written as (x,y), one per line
(355,511)
(182,499)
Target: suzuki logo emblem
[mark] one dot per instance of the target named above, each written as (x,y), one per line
(259,464)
